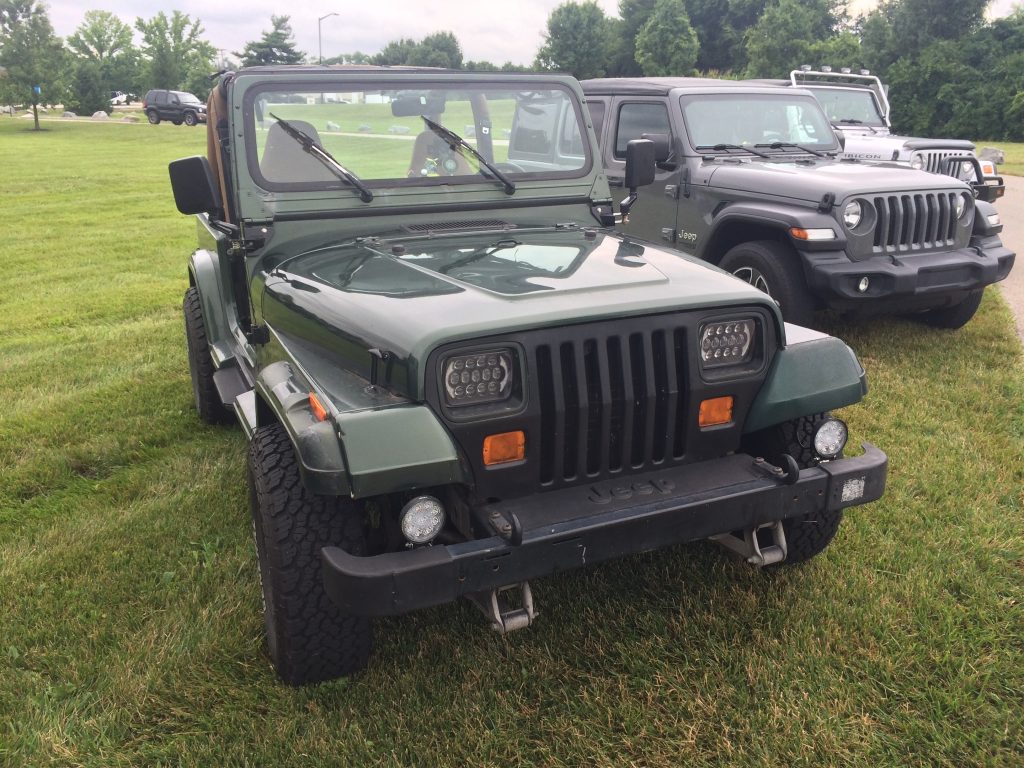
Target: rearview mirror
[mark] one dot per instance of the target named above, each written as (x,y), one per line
(416,104)
(195,189)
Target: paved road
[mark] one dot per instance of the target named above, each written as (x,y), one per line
(1011,211)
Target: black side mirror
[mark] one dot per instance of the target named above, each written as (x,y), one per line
(640,166)
(195,189)
(662,147)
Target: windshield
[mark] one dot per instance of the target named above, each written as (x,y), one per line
(749,120)
(853,105)
(381,136)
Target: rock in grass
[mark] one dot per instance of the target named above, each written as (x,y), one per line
(997,156)
(69,115)
(101,115)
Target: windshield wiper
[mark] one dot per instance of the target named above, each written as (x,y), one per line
(310,146)
(855,121)
(786,145)
(458,144)
(480,253)
(723,147)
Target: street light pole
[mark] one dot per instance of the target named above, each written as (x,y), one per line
(319,35)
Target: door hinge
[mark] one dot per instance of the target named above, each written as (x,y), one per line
(672,191)
(669,234)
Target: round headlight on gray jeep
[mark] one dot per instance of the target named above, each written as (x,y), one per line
(961,205)
(917,161)
(852,214)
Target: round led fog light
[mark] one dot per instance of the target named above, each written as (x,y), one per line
(422,519)
(864,284)
(830,439)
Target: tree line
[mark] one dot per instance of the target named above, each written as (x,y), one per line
(950,72)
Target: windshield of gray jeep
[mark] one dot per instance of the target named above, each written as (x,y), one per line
(749,120)
(850,106)
(380,135)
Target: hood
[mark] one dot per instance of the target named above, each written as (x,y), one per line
(884,147)
(406,299)
(810,180)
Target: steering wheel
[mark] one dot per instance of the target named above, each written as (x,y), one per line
(508,167)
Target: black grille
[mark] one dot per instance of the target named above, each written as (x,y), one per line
(611,403)
(921,220)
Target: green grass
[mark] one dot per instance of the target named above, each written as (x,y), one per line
(130,629)
(1014,164)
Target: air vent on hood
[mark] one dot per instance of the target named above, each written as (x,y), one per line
(450,226)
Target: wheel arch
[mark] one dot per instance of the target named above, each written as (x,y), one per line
(747,222)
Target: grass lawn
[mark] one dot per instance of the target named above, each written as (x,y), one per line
(1014,164)
(130,626)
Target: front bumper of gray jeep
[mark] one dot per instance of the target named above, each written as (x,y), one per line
(907,280)
(585,524)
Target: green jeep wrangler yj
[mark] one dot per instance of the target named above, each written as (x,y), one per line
(456,377)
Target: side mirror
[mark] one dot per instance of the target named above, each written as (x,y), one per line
(640,166)
(195,189)
(662,147)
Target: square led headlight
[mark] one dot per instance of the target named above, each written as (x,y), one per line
(727,343)
(481,377)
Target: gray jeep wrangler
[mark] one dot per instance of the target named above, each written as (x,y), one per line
(748,179)
(454,375)
(857,104)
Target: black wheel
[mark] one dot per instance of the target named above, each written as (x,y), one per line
(773,268)
(309,639)
(153,116)
(176,122)
(957,315)
(807,535)
(190,118)
(200,364)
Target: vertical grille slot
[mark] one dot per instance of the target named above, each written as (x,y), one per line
(595,421)
(545,383)
(679,433)
(639,364)
(571,398)
(617,430)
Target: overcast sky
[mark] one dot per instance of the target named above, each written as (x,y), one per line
(507,30)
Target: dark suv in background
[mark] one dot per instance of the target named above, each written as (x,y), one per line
(177,106)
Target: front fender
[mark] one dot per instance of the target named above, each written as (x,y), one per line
(372,442)
(774,216)
(814,373)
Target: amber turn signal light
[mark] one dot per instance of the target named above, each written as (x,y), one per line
(504,447)
(319,412)
(717,410)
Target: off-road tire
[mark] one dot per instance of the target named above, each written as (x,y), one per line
(190,119)
(309,639)
(957,315)
(177,121)
(200,364)
(779,265)
(806,535)
(153,116)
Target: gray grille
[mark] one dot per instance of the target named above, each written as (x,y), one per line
(934,160)
(611,403)
(921,220)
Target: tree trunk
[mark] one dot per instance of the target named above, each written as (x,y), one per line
(35,113)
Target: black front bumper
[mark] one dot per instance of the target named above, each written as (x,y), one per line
(908,280)
(571,528)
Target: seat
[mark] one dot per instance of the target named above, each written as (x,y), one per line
(286,162)
(432,157)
